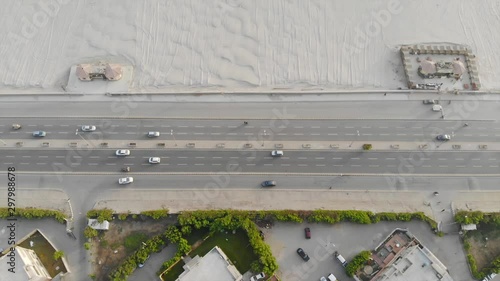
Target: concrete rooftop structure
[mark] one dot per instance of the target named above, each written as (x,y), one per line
(401,257)
(214,266)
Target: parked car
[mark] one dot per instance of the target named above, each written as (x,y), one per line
(122,152)
(331,277)
(258,277)
(88,128)
(153,134)
(307,232)
(431,102)
(126,180)
(302,254)
(443,137)
(322,278)
(154,160)
(341,259)
(39,134)
(277,153)
(268,183)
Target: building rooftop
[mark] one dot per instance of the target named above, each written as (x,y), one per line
(214,266)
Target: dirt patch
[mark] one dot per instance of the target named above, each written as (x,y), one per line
(109,250)
(485,245)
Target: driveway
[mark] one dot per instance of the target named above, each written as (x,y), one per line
(350,239)
(153,264)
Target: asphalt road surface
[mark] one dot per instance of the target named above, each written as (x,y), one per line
(236,130)
(202,161)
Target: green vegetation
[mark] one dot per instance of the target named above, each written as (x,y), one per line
(486,221)
(367,146)
(134,241)
(156,214)
(87,245)
(32,213)
(101,215)
(58,255)
(122,217)
(89,232)
(357,263)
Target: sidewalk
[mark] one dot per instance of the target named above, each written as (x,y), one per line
(251,144)
(52,199)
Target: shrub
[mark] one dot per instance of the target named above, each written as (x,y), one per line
(357,263)
(89,232)
(156,214)
(101,215)
(122,217)
(367,146)
(87,245)
(58,255)
(32,213)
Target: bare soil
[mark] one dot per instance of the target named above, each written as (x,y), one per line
(485,246)
(108,249)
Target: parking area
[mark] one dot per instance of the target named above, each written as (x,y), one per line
(350,239)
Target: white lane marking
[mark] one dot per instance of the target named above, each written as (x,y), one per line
(483,135)
(215,133)
(29,163)
(442,159)
(400,134)
(74,156)
(391,166)
(426,166)
(319,158)
(93,164)
(459,159)
(216,126)
(148,126)
(268,164)
(198,133)
(60,156)
(165,126)
(216,164)
(112,133)
(349,127)
(297,134)
(182,164)
(26,156)
(374,165)
(200,164)
(32,125)
(180,133)
(400,127)
(494,166)
(280,134)
(302,165)
(232,134)
(355,165)
(337,158)
(131,126)
(110,164)
(302,158)
(372,158)
(416,127)
(232,127)
(443,166)
(130,133)
(333,134)
(41,163)
(285,165)
(164,164)
(384,134)
(355,158)
(199,126)
(180,157)
(315,127)
(216,157)
(250,164)
(234,157)
(299,127)
(366,127)
(423,158)
(492,159)
(383,127)
(476,159)
(63,132)
(315,134)
(367,134)
(338,165)
(48,125)
(200,157)
(320,165)
(336,128)
(390,158)
(477,166)
(64,125)
(349,134)
(94,157)
(182,126)
(418,134)
(10,156)
(460,166)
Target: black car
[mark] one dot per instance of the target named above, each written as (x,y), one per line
(268,184)
(302,254)
(431,102)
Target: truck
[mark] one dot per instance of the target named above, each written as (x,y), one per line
(341,259)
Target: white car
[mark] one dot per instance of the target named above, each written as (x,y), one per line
(277,153)
(126,180)
(437,107)
(88,128)
(154,160)
(258,277)
(322,279)
(332,277)
(122,152)
(153,134)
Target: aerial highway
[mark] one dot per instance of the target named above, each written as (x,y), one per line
(236,130)
(100,161)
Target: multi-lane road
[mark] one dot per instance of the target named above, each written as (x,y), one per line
(256,162)
(235,130)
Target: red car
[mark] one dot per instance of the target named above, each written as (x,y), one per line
(307,230)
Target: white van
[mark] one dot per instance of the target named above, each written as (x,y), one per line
(341,259)
(331,277)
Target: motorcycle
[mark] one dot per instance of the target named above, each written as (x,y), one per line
(16,126)
(126,169)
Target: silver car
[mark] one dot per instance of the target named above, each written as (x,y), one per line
(126,180)
(88,128)
(153,134)
(154,160)
(443,137)
(122,152)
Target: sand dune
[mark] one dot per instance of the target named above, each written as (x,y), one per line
(236,44)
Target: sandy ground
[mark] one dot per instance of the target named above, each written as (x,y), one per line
(236,44)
